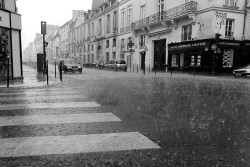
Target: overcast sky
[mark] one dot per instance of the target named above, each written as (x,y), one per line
(55,12)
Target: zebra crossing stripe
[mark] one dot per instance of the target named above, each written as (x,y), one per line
(51,145)
(47,98)
(57,119)
(48,105)
(33,93)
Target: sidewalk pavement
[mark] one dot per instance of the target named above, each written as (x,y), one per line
(30,79)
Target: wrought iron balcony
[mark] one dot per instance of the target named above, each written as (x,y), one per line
(128,29)
(168,15)
(122,30)
(125,29)
(115,31)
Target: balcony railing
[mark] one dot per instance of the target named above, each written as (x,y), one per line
(122,30)
(128,29)
(115,31)
(125,30)
(174,13)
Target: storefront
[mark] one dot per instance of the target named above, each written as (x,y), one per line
(10,44)
(203,55)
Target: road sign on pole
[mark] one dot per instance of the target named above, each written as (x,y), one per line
(43,27)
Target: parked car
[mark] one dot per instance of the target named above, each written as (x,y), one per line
(242,72)
(70,65)
(116,65)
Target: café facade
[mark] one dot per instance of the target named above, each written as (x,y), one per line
(204,55)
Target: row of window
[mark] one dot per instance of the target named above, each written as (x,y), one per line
(91,59)
(229,30)
(186,36)
(186,32)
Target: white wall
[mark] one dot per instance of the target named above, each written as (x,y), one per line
(16,53)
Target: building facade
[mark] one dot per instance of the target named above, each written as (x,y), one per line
(181,34)
(10,39)
(161,34)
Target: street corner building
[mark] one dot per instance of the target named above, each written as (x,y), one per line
(10,40)
(181,35)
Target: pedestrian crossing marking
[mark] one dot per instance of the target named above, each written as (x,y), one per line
(48,105)
(61,97)
(34,93)
(57,119)
(51,145)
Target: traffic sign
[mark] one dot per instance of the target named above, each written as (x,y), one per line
(214,47)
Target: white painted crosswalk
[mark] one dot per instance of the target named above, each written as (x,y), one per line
(30,146)
(71,144)
(41,97)
(57,119)
(48,105)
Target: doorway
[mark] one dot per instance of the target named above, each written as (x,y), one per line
(142,57)
(160,54)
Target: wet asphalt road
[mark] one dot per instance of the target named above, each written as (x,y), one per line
(195,121)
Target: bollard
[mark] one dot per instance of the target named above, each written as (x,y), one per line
(8,71)
(149,69)
(60,70)
(171,70)
(55,68)
(144,68)
(47,70)
(194,70)
(130,65)
(155,68)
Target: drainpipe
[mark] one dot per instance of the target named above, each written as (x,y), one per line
(244,23)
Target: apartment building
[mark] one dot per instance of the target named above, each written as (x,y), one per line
(10,37)
(100,32)
(64,40)
(54,47)
(125,32)
(88,45)
(111,32)
(181,34)
(76,35)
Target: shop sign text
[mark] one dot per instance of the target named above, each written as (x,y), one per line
(188,45)
(229,43)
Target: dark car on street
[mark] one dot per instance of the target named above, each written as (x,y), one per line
(116,65)
(70,65)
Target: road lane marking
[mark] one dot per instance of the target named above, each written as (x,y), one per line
(48,105)
(51,145)
(57,119)
(48,98)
